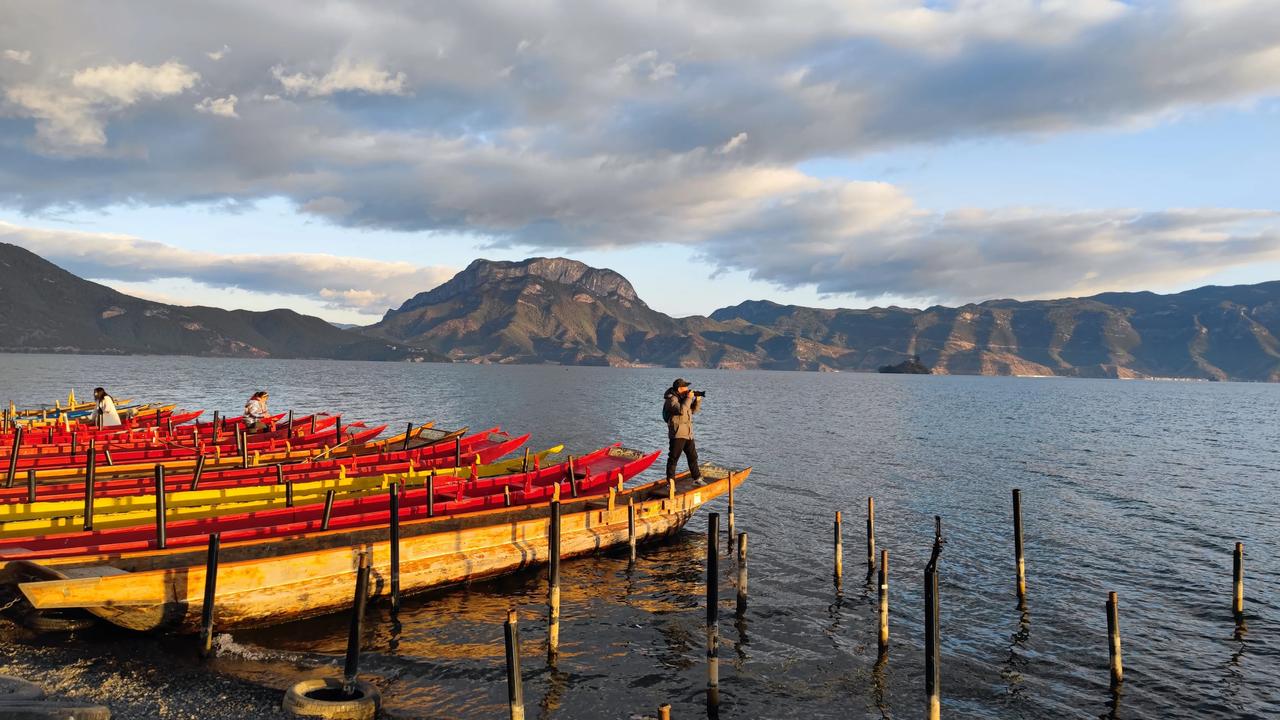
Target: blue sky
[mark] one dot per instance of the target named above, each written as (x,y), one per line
(832,154)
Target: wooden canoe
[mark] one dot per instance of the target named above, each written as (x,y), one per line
(362,443)
(315,574)
(135,548)
(52,517)
(41,443)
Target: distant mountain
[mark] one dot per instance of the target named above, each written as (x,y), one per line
(1213,333)
(562,311)
(44,308)
(553,310)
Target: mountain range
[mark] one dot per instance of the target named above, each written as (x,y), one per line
(554,310)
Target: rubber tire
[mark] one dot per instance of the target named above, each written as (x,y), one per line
(364,707)
(46,622)
(58,710)
(13,689)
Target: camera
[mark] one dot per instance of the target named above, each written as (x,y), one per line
(699,393)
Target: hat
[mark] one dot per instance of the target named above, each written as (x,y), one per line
(679,383)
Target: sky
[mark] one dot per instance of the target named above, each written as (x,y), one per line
(337,157)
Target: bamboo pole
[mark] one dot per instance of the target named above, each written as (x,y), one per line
(839,549)
(742,574)
(1017,546)
(884,602)
(394,539)
(1113,637)
(351,668)
(515,684)
(88,485)
(631,526)
(713,610)
(932,632)
(13,456)
(553,581)
(730,527)
(1237,585)
(31,485)
(161,521)
(328,510)
(195,476)
(871,535)
(210,595)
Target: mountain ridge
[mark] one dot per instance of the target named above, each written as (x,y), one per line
(44,308)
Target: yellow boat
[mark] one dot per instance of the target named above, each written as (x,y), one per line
(65,516)
(281,580)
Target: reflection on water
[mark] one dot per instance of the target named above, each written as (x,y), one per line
(1138,487)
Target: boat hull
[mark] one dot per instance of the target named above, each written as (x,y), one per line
(281,588)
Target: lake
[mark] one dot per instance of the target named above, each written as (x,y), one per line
(1138,487)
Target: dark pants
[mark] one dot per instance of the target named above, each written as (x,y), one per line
(686,446)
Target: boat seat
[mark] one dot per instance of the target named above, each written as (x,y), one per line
(93,571)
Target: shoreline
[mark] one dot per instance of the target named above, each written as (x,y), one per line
(136,676)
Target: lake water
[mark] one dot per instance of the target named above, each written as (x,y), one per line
(1138,487)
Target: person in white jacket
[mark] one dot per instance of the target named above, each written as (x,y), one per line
(256,416)
(105,414)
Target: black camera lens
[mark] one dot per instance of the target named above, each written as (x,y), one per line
(700,393)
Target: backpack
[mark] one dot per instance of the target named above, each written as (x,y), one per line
(666,411)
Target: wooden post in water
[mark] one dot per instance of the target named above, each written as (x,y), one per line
(631,526)
(13,456)
(351,668)
(408,432)
(161,520)
(88,485)
(431,493)
(742,574)
(337,432)
(713,610)
(328,510)
(210,595)
(31,485)
(839,549)
(932,632)
(871,536)
(524,466)
(1113,640)
(395,547)
(217,428)
(1237,585)
(884,602)
(553,581)
(664,712)
(1017,546)
(730,517)
(515,684)
(457,451)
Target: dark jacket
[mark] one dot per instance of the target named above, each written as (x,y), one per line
(679,413)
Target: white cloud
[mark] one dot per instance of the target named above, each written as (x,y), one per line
(734,143)
(22,57)
(218,54)
(347,283)
(126,84)
(345,76)
(71,118)
(225,107)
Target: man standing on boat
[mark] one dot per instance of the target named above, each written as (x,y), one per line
(679,404)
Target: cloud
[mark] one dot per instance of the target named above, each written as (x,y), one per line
(366,286)
(551,127)
(226,107)
(871,241)
(22,57)
(218,54)
(70,116)
(345,76)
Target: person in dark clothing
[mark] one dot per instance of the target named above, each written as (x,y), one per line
(678,407)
